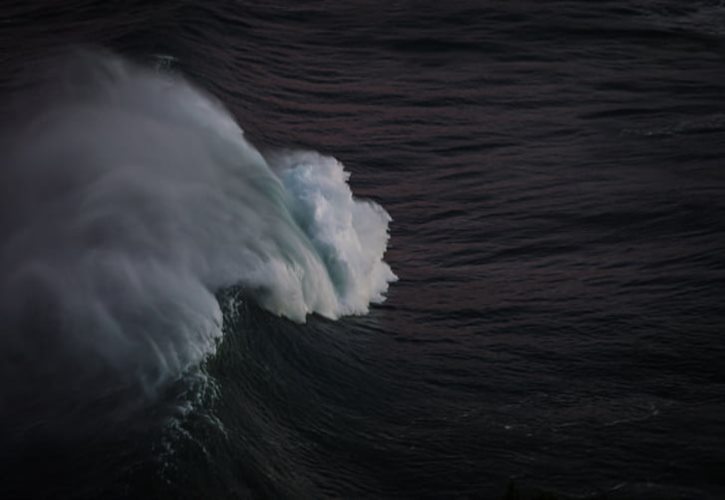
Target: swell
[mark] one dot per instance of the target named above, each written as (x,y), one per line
(129,198)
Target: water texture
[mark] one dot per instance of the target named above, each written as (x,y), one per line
(553,172)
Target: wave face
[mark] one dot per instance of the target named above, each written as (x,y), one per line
(128,200)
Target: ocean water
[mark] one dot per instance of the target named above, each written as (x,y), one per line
(456,244)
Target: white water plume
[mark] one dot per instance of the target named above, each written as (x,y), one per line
(127,200)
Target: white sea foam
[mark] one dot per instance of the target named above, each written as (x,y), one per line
(130,198)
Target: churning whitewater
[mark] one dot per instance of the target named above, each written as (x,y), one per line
(129,198)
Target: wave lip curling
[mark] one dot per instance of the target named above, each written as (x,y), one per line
(127,200)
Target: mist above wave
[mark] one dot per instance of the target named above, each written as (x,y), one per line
(127,200)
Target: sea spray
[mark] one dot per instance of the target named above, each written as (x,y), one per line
(128,199)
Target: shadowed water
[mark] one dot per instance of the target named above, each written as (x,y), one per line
(554,175)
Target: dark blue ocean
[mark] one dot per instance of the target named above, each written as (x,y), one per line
(554,175)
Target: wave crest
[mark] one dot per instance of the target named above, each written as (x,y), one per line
(130,199)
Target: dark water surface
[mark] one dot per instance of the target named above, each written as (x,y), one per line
(554,171)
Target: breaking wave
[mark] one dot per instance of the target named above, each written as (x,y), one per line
(128,199)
